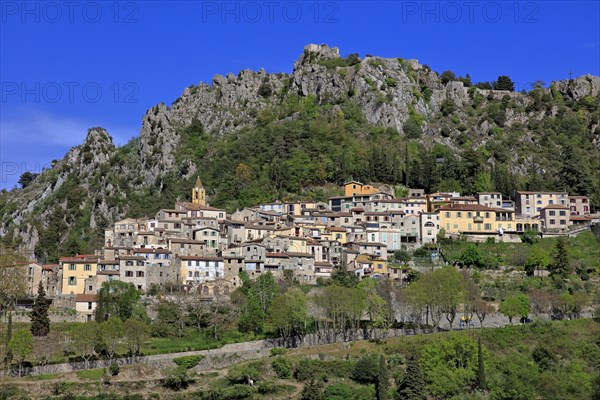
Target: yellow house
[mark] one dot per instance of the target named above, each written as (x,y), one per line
(355,188)
(335,233)
(75,270)
(475,218)
(370,264)
(297,208)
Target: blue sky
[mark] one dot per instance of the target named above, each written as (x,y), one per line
(68,66)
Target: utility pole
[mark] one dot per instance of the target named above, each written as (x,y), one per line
(570,75)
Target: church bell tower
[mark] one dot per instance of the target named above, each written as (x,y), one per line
(199,194)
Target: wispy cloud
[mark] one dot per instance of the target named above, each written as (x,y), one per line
(591,45)
(40,129)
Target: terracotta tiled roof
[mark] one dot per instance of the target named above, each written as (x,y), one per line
(201,258)
(85,298)
(277,255)
(466,207)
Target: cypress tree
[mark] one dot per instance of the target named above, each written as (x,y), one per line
(412,386)
(481,369)
(561,260)
(40,322)
(383,380)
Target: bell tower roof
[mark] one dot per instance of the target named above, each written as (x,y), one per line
(198,182)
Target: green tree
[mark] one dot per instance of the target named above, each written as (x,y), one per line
(85,339)
(366,369)
(538,259)
(289,315)
(504,83)
(312,390)
(412,385)
(447,76)
(574,176)
(449,365)
(471,256)
(340,309)
(382,385)
(341,277)
(260,297)
(21,346)
(40,322)
(483,182)
(376,307)
(27,178)
(402,256)
(136,332)
(117,298)
(112,334)
(515,306)
(561,265)
(439,292)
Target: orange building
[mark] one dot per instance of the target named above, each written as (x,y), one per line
(355,188)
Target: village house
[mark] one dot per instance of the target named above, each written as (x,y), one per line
(555,217)
(579,205)
(195,270)
(34,276)
(75,270)
(531,203)
(430,227)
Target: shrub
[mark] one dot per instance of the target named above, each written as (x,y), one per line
(188,362)
(265,90)
(391,82)
(282,367)
(307,369)
(114,369)
(243,373)
(366,369)
(278,351)
(176,378)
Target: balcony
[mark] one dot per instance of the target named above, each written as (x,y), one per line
(478,219)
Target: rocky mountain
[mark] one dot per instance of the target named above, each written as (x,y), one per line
(259,136)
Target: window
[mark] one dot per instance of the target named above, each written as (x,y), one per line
(552,222)
(72,267)
(563,222)
(72,280)
(89,305)
(90,288)
(447,214)
(488,227)
(552,213)
(87,267)
(458,214)
(562,213)
(129,274)
(139,274)
(487,214)
(469,215)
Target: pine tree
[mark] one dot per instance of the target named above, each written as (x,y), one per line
(40,322)
(412,386)
(481,368)
(383,380)
(504,83)
(560,266)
